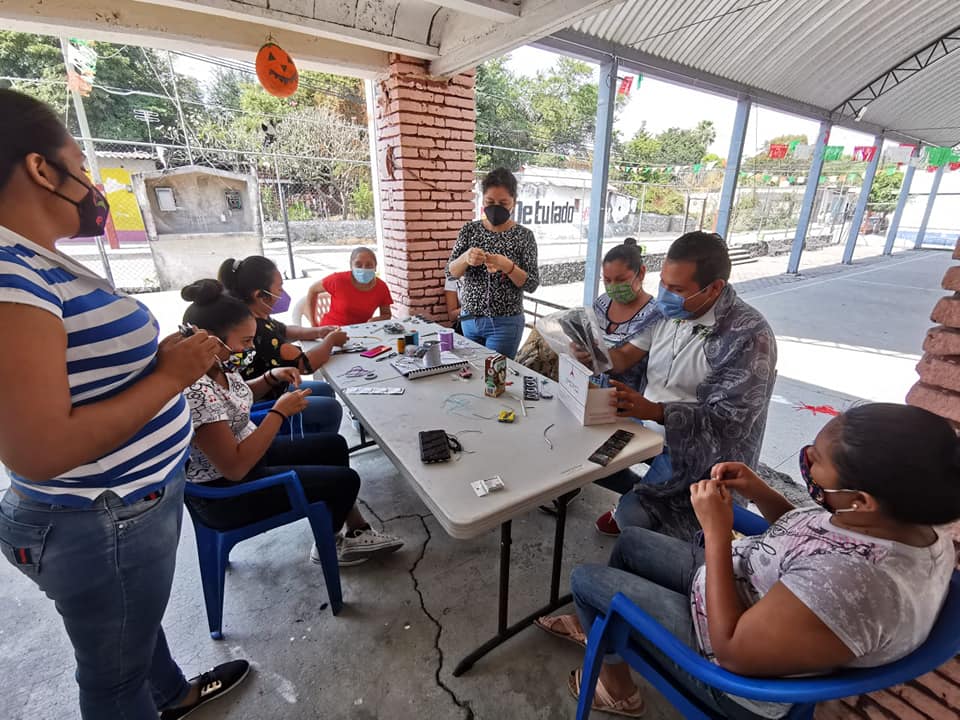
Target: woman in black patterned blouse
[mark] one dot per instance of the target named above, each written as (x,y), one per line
(496,262)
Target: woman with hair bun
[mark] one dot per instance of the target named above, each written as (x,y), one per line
(228,448)
(625,308)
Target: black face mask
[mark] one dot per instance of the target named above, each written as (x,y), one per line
(93,207)
(496,214)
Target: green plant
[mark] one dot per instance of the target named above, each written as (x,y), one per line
(361,200)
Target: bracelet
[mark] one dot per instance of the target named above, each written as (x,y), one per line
(270,379)
(514,267)
(283,418)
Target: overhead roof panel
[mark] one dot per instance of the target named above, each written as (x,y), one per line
(817,53)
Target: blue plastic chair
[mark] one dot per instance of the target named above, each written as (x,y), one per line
(214,546)
(613,633)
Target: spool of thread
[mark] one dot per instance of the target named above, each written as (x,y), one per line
(401,345)
(412,338)
(446,340)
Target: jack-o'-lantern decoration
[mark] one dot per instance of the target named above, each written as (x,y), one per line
(276,71)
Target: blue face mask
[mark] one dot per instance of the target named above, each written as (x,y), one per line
(671,304)
(364,276)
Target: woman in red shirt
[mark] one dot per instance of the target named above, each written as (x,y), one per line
(354,295)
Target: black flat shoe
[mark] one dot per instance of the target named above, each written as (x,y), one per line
(213,684)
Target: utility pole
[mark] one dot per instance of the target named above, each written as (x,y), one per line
(88,147)
(176,98)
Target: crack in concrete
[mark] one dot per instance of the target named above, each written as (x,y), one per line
(462,704)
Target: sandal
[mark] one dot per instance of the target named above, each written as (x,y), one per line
(569,629)
(633,706)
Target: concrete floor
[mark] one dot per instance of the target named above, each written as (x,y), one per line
(846,334)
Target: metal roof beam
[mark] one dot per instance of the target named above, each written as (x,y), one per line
(498,10)
(856,104)
(587,47)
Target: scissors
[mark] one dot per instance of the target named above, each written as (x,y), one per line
(358,371)
(387,357)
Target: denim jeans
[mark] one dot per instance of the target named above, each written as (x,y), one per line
(500,334)
(323,412)
(630,511)
(332,482)
(108,568)
(656,572)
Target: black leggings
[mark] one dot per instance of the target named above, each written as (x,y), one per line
(332,482)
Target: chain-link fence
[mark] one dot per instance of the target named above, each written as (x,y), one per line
(310,221)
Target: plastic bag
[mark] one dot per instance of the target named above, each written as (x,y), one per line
(578,326)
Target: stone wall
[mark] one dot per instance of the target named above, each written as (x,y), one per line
(324,232)
(935,696)
(426,156)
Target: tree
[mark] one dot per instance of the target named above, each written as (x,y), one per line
(552,115)
(885,192)
(504,117)
(685,146)
(127,78)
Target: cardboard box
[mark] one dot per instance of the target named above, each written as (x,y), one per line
(588,403)
(494,375)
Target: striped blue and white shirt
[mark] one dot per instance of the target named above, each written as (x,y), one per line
(111,344)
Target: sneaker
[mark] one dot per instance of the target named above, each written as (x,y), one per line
(554,507)
(606,525)
(213,684)
(315,555)
(365,544)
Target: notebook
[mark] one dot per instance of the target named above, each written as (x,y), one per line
(412,368)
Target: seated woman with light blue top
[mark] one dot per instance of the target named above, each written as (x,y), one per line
(625,309)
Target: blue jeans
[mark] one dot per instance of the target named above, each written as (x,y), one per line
(323,412)
(500,334)
(108,568)
(656,572)
(630,511)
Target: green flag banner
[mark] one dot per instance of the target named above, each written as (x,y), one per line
(938,156)
(833,152)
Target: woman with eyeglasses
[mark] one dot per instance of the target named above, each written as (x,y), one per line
(228,448)
(855,580)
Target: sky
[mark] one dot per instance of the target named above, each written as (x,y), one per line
(664,105)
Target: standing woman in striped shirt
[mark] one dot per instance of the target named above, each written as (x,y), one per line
(96,465)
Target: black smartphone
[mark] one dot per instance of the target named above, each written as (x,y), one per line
(434,446)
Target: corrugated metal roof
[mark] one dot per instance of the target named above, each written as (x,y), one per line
(816,52)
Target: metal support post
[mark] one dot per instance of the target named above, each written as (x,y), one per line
(931,199)
(898,213)
(734,156)
(861,208)
(809,197)
(606,104)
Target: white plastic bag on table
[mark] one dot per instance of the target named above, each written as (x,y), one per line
(578,326)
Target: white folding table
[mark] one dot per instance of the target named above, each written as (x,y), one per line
(540,457)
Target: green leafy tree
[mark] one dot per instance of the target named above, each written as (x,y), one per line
(885,192)
(685,146)
(127,78)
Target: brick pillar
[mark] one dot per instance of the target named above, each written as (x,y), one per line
(935,696)
(426,157)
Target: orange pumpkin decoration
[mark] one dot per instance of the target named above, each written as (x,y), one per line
(276,71)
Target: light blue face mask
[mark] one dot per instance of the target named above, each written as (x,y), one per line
(364,276)
(671,304)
